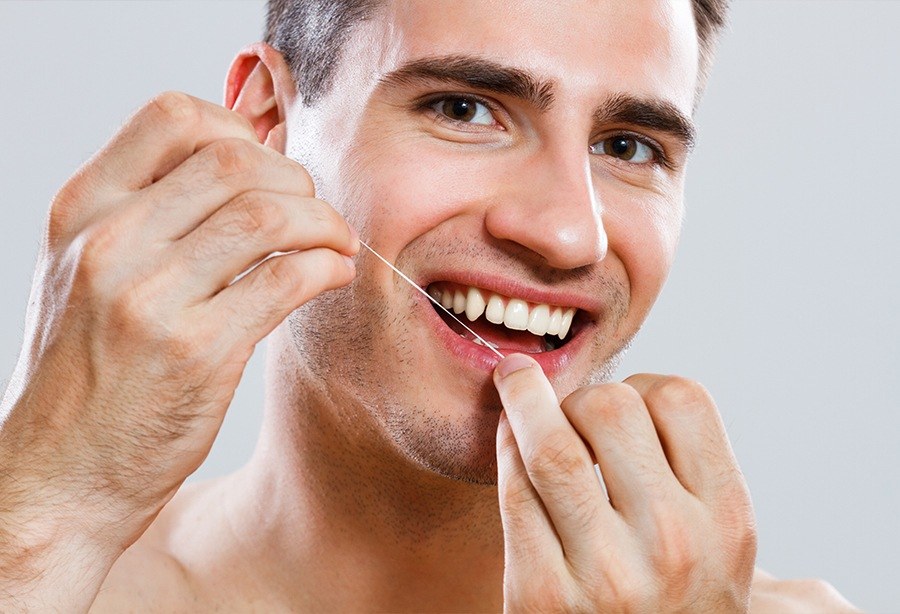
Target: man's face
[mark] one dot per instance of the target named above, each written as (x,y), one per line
(529,151)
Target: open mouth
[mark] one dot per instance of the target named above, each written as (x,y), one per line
(506,323)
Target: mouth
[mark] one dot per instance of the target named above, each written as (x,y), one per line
(507,323)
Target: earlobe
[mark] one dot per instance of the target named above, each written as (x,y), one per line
(260,87)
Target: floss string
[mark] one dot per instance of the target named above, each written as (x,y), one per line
(486,344)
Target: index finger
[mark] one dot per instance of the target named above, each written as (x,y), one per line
(160,136)
(555,457)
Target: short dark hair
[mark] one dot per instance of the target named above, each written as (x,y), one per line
(310,35)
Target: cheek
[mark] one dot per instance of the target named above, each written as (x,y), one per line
(643,233)
(409,188)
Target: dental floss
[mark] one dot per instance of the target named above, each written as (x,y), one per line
(486,344)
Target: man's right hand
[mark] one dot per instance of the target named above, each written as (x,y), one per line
(136,337)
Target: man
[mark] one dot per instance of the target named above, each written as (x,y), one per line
(524,162)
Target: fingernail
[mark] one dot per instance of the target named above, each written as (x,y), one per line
(513,363)
(350,264)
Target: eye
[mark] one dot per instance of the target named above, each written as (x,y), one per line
(624,148)
(465,110)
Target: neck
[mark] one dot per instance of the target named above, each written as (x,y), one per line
(350,523)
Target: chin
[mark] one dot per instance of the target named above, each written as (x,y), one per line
(460,445)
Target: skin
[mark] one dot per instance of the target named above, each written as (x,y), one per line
(371,487)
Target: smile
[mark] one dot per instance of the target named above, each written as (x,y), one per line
(507,323)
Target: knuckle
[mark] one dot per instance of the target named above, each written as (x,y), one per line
(609,403)
(321,214)
(129,310)
(680,393)
(633,597)
(129,319)
(64,205)
(675,557)
(621,587)
(329,226)
(280,278)
(232,159)
(818,587)
(96,249)
(135,319)
(554,458)
(257,216)
(175,108)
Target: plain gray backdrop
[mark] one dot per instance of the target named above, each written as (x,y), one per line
(784,299)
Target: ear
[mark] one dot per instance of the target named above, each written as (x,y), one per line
(260,87)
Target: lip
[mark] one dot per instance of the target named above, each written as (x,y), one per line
(482,358)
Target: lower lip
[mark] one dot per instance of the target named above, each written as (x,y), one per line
(484,359)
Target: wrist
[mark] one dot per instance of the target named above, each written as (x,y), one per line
(54,554)
(46,566)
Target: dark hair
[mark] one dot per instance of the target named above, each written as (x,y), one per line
(310,35)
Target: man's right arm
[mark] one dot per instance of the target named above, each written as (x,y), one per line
(137,334)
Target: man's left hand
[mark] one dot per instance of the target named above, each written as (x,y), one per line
(677,531)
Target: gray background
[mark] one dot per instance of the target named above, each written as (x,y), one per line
(784,299)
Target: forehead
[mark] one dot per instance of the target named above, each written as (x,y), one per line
(586,47)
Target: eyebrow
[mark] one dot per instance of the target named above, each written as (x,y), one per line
(480,73)
(477,73)
(654,114)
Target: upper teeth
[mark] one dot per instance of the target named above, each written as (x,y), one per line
(540,319)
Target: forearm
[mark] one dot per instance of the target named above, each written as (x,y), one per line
(55,549)
(44,566)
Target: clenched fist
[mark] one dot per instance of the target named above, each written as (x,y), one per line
(676,533)
(139,328)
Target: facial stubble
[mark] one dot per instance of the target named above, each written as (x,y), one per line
(364,343)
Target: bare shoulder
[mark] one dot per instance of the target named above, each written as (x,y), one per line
(771,595)
(149,577)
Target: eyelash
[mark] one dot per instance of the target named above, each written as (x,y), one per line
(425,105)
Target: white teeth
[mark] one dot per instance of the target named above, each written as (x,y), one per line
(539,319)
(495,309)
(474,304)
(555,321)
(566,323)
(459,302)
(516,314)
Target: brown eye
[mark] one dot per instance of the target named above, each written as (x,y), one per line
(459,109)
(620,147)
(624,148)
(466,110)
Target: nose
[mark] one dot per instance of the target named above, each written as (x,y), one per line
(551,208)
